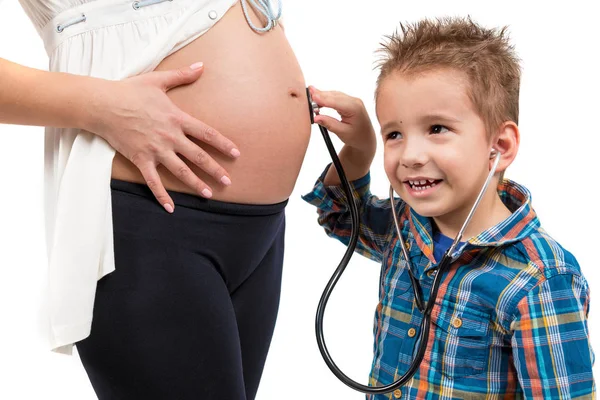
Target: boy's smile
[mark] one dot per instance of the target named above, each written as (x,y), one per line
(421,186)
(436,149)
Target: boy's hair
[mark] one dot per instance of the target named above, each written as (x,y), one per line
(485,55)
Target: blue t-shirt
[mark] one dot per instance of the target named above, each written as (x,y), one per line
(441,243)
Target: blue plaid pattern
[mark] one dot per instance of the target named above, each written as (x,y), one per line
(510,320)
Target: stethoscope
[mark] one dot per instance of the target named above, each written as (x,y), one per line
(425,308)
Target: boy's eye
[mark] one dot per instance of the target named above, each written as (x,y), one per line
(439,129)
(393,135)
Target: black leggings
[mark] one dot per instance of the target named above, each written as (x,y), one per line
(190,310)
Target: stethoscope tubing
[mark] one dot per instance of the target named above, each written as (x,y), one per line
(425,308)
(335,278)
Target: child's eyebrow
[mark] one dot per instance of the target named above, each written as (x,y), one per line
(437,117)
(388,126)
(425,119)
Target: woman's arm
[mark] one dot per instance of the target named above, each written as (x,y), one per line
(134,115)
(33,97)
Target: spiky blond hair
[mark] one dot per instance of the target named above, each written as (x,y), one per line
(484,55)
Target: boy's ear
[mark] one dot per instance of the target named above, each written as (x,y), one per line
(506,142)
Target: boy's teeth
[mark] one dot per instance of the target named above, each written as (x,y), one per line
(417,185)
(421,182)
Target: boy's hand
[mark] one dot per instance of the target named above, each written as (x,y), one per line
(355,128)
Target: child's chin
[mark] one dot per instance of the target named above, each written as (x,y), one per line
(424,211)
(420,207)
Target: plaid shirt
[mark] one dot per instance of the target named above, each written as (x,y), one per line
(510,318)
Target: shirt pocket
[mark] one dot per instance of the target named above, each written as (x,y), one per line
(461,344)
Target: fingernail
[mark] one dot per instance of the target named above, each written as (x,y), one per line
(207,193)
(197,65)
(226,180)
(235,152)
(168,207)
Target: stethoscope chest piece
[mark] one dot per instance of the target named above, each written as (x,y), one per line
(313,108)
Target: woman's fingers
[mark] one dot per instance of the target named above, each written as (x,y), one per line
(199,130)
(183,172)
(141,120)
(152,178)
(171,160)
(202,159)
(170,79)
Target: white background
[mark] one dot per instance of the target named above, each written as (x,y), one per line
(334,41)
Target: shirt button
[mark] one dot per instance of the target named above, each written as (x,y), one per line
(397,393)
(457,323)
(431,273)
(212,14)
(412,332)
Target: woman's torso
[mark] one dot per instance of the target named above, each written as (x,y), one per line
(252,91)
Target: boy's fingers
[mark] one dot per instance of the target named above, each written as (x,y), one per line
(332,124)
(340,102)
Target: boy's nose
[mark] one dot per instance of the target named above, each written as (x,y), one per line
(413,155)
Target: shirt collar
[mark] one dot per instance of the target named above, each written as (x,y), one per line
(521,223)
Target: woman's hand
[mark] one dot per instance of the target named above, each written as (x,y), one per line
(134,115)
(137,118)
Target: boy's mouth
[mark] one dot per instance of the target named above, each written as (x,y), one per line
(422,184)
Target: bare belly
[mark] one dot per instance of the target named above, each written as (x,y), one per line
(253,92)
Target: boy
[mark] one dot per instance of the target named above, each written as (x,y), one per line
(510,319)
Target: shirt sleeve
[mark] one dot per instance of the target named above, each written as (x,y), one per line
(334,215)
(550,343)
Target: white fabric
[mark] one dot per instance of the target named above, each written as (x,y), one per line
(114,42)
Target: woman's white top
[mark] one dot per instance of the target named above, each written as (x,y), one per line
(111,39)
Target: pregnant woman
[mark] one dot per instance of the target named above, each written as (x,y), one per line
(175,298)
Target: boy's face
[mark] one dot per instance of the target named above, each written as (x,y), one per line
(436,151)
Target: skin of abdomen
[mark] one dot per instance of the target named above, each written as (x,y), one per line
(252,91)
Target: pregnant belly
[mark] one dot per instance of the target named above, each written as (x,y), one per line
(253,92)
